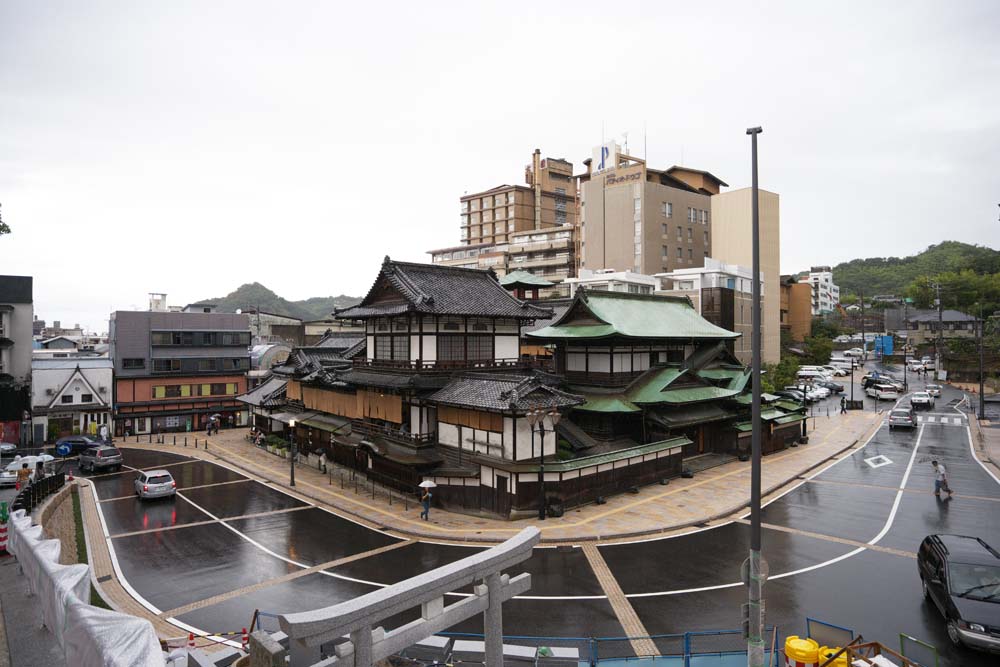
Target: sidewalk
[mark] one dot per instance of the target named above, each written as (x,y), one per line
(711,495)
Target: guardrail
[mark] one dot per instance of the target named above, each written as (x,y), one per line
(32,495)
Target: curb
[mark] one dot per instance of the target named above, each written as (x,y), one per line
(427,535)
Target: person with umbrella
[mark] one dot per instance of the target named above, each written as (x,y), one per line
(425,498)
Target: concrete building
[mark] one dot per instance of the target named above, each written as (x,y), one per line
(273,328)
(634,218)
(732,243)
(174,370)
(70,396)
(796,308)
(16,317)
(825,294)
(922,325)
(609,280)
(548,200)
(722,294)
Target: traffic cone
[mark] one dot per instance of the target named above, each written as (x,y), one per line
(69,478)
(245,640)
(190,641)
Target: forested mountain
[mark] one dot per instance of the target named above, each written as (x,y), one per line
(255,295)
(893,275)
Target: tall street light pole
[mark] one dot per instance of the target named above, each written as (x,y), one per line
(291,442)
(756,569)
(982,332)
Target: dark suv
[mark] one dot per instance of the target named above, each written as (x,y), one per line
(79,443)
(961,576)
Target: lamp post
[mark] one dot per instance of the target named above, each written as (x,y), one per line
(536,419)
(291,442)
(982,332)
(756,567)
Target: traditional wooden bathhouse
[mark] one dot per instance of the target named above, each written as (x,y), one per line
(651,370)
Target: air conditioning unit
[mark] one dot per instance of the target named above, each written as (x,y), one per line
(50,392)
(102,390)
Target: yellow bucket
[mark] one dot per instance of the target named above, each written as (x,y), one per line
(826,652)
(801,651)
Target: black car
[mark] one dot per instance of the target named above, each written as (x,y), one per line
(834,387)
(961,576)
(79,443)
(793,394)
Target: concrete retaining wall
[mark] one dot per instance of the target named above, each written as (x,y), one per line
(56,519)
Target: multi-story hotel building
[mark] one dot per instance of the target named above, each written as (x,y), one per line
(825,294)
(634,218)
(174,370)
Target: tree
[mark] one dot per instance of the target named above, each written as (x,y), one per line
(780,375)
(825,327)
(4,229)
(818,350)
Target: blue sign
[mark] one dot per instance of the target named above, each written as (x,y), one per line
(883,345)
(64,449)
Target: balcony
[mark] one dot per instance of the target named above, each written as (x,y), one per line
(393,433)
(442,366)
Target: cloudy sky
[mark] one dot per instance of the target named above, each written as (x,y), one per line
(189,147)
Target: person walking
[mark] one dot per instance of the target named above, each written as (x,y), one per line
(23,476)
(843,405)
(941,479)
(425,499)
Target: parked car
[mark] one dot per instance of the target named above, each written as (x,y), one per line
(155,484)
(928,363)
(793,394)
(9,475)
(914,366)
(101,458)
(854,352)
(834,387)
(7,448)
(835,371)
(902,418)
(960,575)
(934,390)
(810,393)
(79,443)
(883,392)
(922,399)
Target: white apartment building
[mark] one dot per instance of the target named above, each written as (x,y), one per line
(825,294)
(609,280)
(722,294)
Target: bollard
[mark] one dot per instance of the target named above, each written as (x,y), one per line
(185,441)
(341,479)
(175,441)
(245,641)
(150,438)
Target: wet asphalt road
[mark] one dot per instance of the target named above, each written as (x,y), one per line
(245,533)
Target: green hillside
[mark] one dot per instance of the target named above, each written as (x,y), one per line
(255,295)
(892,275)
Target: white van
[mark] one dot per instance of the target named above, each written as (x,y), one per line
(806,374)
(883,392)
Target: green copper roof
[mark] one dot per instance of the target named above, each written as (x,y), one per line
(788,419)
(691,414)
(515,278)
(631,316)
(789,406)
(747,398)
(721,373)
(695,394)
(607,403)
(648,388)
(618,455)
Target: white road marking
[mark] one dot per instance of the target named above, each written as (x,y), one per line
(879,461)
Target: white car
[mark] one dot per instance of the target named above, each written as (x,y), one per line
(7,448)
(922,399)
(834,370)
(9,475)
(883,392)
(854,352)
(914,366)
(934,390)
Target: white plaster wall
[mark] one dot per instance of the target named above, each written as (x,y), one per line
(414,347)
(370,347)
(430,347)
(524,440)
(448,434)
(600,363)
(506,347)
(576,361)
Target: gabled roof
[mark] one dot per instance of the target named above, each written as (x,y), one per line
(524,279)
(597,314)
(78,374)
(502,392)
(402,287)
(946,316)
(268,395)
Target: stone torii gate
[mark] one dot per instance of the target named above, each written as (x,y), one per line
(369,642)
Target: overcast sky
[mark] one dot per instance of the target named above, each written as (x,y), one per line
(190,147)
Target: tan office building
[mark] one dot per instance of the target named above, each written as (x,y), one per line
(796,308)
(732,243)
(548,200)
(634,218)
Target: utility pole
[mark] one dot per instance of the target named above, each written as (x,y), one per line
(864,339)
(755,567)
(939,344)
(982,332)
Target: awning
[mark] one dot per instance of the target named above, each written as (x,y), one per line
(325,422)
(285,417)
(691,414)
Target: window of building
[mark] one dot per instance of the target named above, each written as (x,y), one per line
(173,391)
(67,398)
(668,209)
(706,238)
(690,253)
(498,200)
(133,363)
(166,365)
(86,398)
(206,364)
(475,204)
(451,348)
(680,252)
(480,348)
(690,235)
(666,251)
(487,216)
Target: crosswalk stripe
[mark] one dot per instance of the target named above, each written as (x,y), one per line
(929,419)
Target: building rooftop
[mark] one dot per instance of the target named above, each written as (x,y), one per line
(524,279)
(946,316)
(596,314)
(15,289)
(71,362)
(707,174)
(502,392)
(402,287)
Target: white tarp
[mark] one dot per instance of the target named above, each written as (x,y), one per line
(101,638)
(57,584)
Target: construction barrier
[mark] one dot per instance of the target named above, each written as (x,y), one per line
(801,652)
(827,652)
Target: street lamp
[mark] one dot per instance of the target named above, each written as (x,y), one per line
(291,442)
(536,419)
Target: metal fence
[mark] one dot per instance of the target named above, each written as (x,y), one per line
(32,495)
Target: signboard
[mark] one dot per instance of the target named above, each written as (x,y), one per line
(883,345)
(604,158)
(64,449)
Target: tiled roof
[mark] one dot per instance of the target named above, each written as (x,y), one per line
(268,395)
(502,392)
(631,316)
(366,378)
(946,316)
(441,290)
(524,278)
(340,340)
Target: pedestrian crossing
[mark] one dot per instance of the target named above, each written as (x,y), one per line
(945,420)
